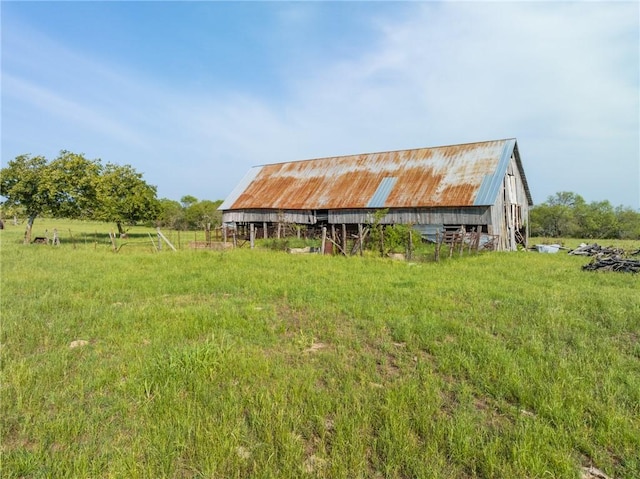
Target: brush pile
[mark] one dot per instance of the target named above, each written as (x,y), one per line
(607,259)
(596,250)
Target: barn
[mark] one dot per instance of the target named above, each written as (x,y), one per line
(478,187)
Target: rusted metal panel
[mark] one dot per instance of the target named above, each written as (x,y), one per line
(449,176)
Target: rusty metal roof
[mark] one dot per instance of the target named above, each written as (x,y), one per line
(457,175)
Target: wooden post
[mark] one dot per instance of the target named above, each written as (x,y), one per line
(152,243)
(112,237)
(252,235)
(278,231)
(410,245)
(437,254)
(344,239)
(333,237)
(324,239)
(163,237)
(381,240)
(360,238)
(27,234)
(265,230)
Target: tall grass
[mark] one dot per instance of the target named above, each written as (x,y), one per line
(253,363)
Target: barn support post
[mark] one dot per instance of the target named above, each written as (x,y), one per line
(344,239)
(252,235)
(265,231)
(333,237)
(324,239)
(437,252)
(224,234)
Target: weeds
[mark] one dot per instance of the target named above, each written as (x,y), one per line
(261,364)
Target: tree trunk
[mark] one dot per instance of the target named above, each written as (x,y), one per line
(27,233)
(120,230)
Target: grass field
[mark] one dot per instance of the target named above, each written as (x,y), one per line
(254,363)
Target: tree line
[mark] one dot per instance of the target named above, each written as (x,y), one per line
(568,215)
(74,187)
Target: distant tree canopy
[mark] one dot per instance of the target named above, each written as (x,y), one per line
(189,213)
(568,215)
(71,186)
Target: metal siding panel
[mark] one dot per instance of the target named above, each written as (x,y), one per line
(382,193)
(488,191)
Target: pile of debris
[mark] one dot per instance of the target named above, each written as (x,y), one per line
(596,250)
(607,259)
(620,265)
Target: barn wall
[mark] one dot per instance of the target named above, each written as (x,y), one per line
(454,216)
(303,217)
(473,215)
(510,212)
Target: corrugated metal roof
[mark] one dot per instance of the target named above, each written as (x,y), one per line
(457,175)
(382,193)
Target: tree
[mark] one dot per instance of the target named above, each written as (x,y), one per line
(22,183)
(122,196)
(202,213)
(596,220)
(556,217)
(72,185)
(628,223)
(188,200)
(170,214)
(61,188)
(567,215)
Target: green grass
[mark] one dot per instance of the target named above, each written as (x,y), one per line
(253,363)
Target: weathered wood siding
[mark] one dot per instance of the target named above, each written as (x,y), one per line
(473,215)
(303,217)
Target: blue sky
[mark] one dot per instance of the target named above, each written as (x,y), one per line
(192,94)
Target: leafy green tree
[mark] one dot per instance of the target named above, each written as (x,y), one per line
(628,223)
(171,214)
(23,184)
(202,213)
(556,217)
(72,185)
(567,215)
(188,201)
(124,197)
(596,220)
(63,187)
